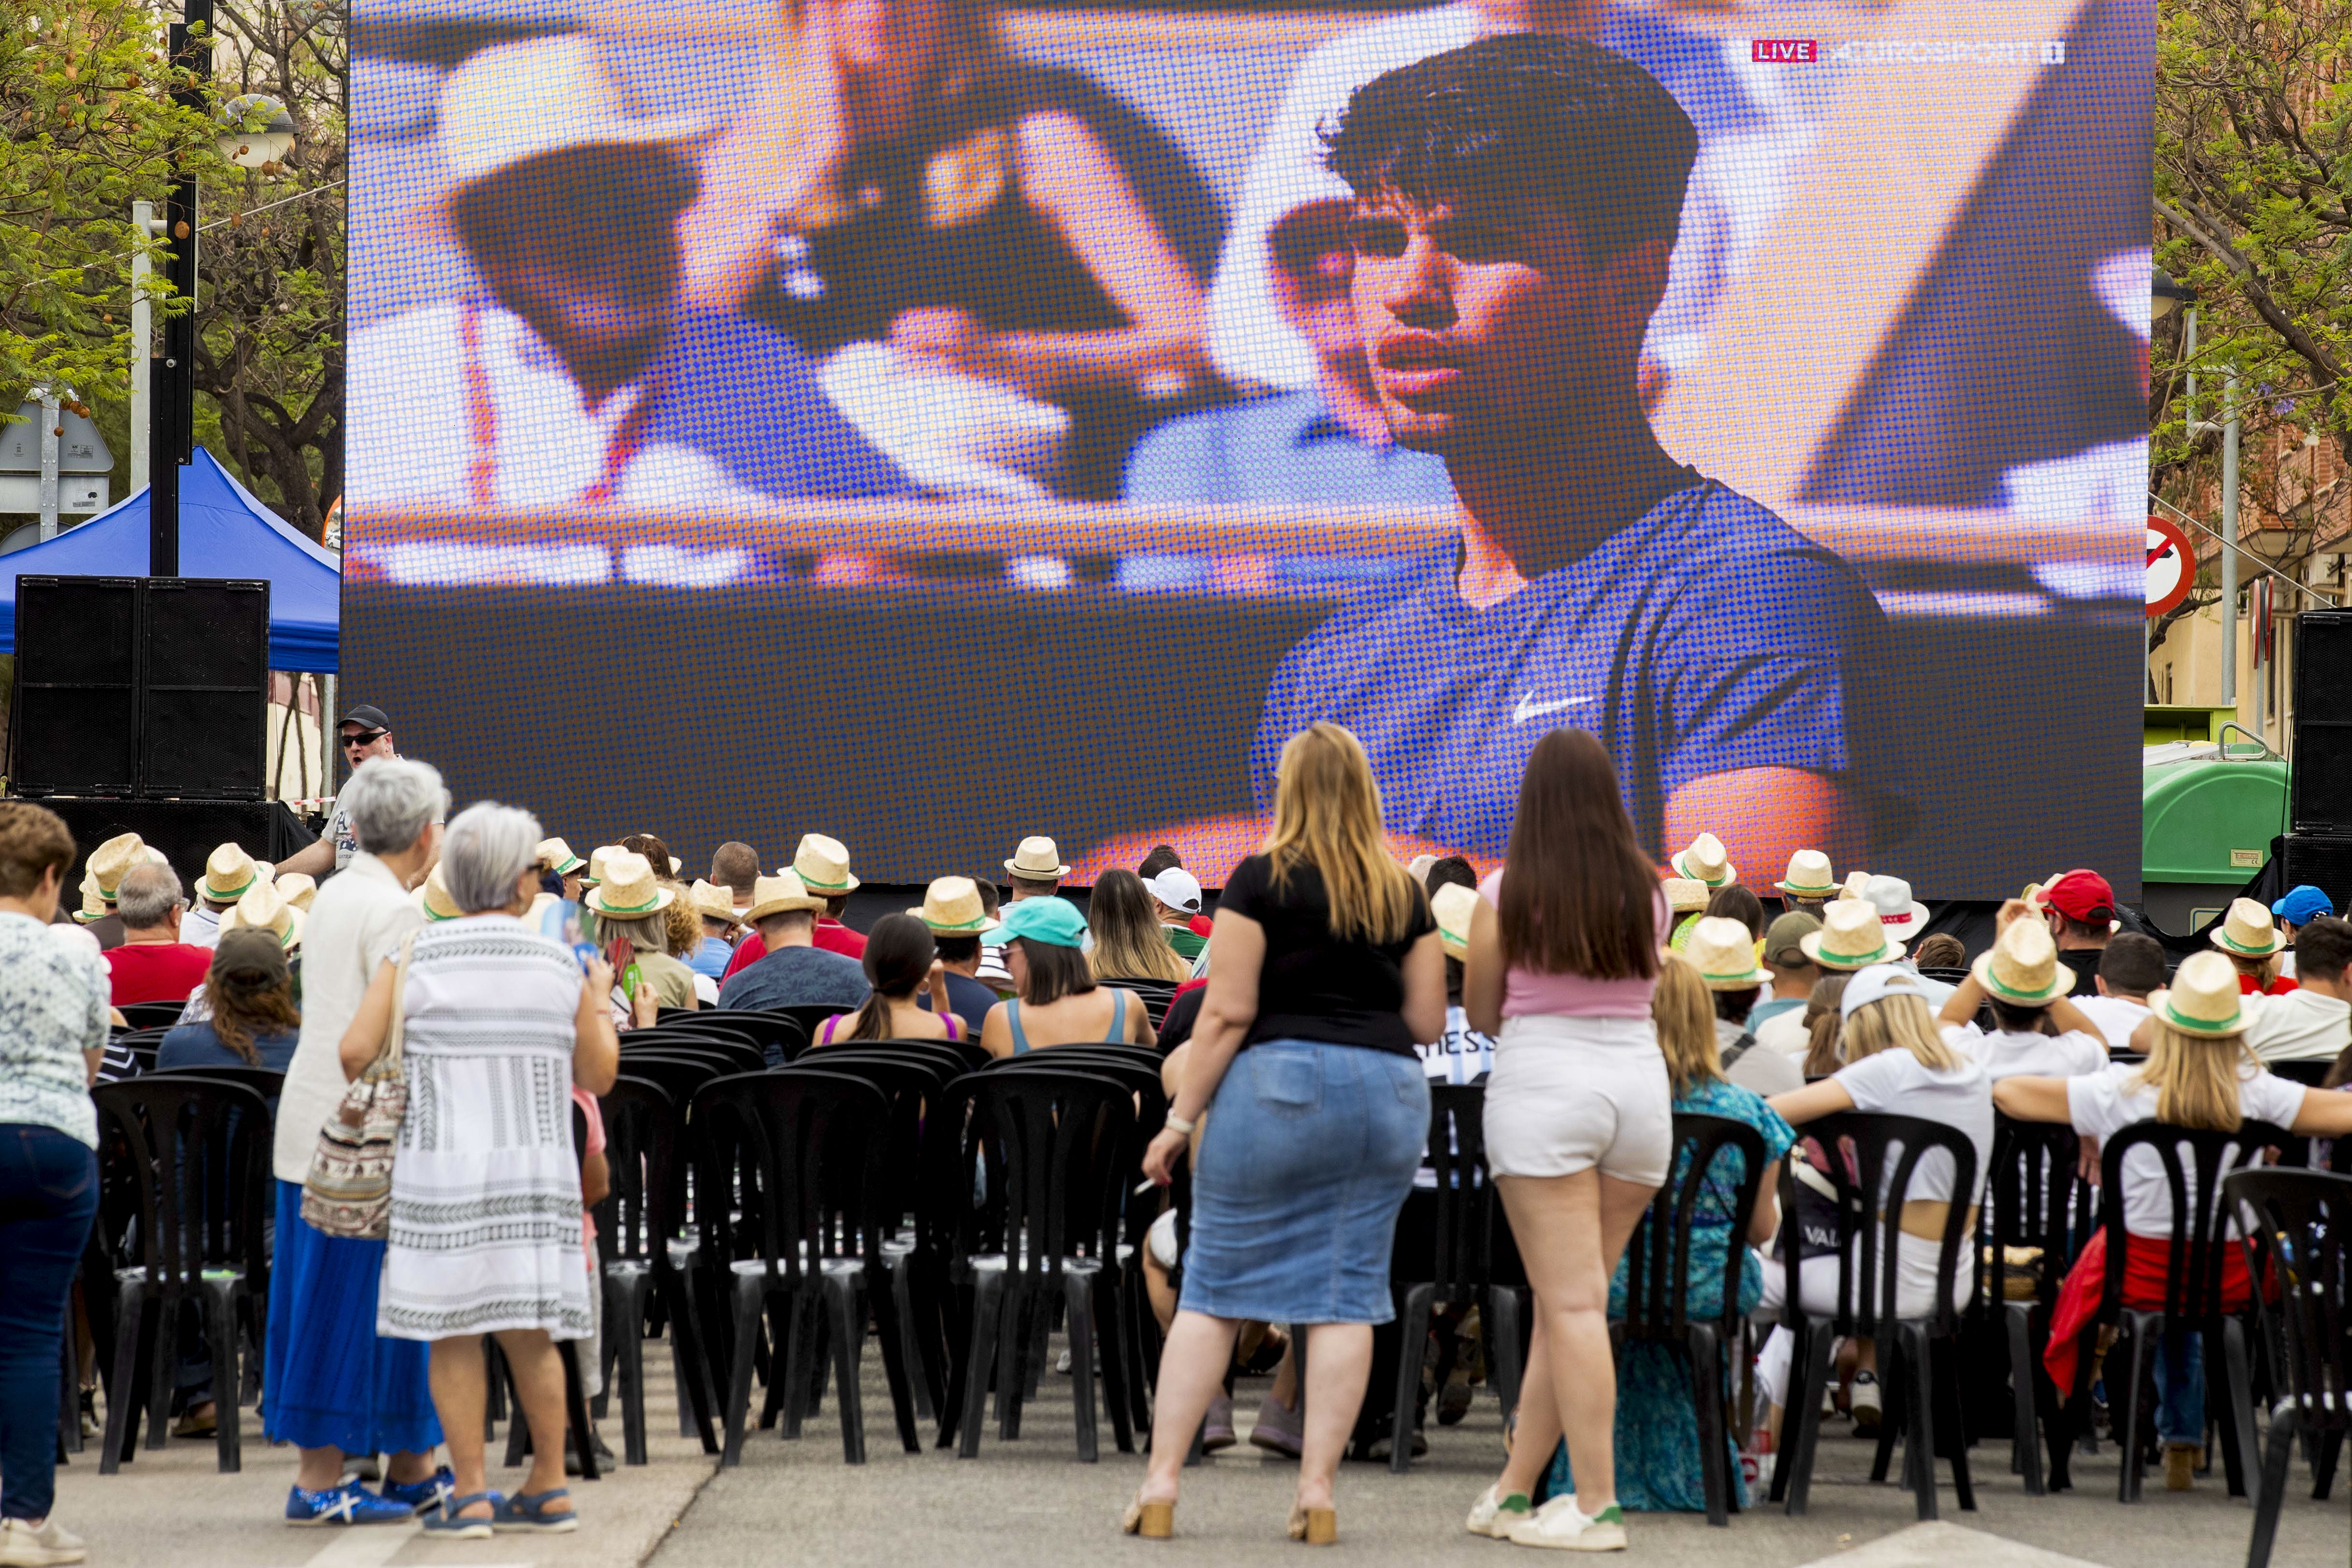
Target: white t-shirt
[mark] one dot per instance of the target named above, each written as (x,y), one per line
(200,926)
(2101,1104)
(2115,1016)
(1785,1034)
(1458,1056)
(2300,1025)
(2006,1054)
(1759,1068)
(1893,1083)
(340,833)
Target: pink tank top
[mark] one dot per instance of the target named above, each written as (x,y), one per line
(1527,993)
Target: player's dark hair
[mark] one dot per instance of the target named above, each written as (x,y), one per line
(2133,965)
(1525,119)
(1578,897)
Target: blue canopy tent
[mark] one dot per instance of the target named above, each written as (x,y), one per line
(225,531)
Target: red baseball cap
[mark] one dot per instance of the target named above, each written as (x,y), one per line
(2083,896)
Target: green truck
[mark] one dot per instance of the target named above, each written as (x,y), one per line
(2212,797)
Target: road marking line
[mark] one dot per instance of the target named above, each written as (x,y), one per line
(363,1545)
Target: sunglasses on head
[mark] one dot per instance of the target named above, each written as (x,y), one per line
(365,736)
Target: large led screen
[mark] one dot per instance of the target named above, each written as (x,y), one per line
(930,423)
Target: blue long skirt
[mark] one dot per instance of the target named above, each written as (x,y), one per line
(328,1381)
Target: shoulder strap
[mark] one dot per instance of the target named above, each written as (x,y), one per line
(1738,1049)
(391,1054)
(1117,1014)
(1013,1021)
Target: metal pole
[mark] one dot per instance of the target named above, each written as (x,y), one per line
(2229,538)
(142,341)
(49,418)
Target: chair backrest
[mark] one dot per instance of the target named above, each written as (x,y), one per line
(2301,1221)
(1150,1091)
(1060,1150)
(1871,1154)
(808,1015)
(1947,974)
(195,1153)
(712,1022)
(2310,1074)
(264,1081)
(968,1054)
(1155,996)
(729,1055)
(2035,1197)
(1716,1158)
(682,1076)
(152,1015)
(2201,1223)
(802,1150)
(1466,1215)
(642,1126)
(911,1084)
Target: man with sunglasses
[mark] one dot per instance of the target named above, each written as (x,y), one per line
(361,733)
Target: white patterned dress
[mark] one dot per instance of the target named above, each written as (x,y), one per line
(485,1185)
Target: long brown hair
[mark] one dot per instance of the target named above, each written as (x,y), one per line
(1578,897)
(1326,814)
(1684,1011)
(250,988)
(1127,941)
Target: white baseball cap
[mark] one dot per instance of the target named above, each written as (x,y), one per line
(1877,983)
(1178,889)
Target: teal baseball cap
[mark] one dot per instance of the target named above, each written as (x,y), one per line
(1053,921)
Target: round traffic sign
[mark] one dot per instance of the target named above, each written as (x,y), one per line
(2171,565)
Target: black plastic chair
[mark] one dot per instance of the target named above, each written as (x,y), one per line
(152,1015)
(634,1225)
(1658,1280)
(950,1057)
(1867,1302)
(808,1015)
(740,1028)
(2300,1222)
(726,1055)
(681,1074)
(2192,1287)
(262,1081)
(2036,1198)
(1465,1218)
(1058,1149)
(1155,995)
(814,1141)
(196,1154)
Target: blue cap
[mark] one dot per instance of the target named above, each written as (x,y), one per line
(1053,921)
(2302,905)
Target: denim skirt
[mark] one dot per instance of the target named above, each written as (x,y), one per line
(1306,1159)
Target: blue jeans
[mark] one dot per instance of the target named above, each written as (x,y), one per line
(2181,1388)
(48,1196)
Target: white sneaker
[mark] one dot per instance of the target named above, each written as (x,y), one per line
(1490,1516)
(1866,1405)
(1564,1527)
(22,1546)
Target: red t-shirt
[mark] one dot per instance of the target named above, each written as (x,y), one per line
(831,935)
(156,971)
(2278,988)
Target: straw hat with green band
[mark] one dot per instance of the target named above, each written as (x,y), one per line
(780,895)
(1706,861)
(555,855)
(823,866)
(261,909)
(1453,905)
(2203,999)
(2246,931)
(112,858)
(1809,876)
(1851,937)
(432,897)
(228,873)
(951,907)
(629,889)
(2022,966)
(1725,955)
(596,859)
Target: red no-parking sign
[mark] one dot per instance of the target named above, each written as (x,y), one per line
(2171,565)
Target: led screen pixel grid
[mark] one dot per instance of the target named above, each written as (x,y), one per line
(771,576)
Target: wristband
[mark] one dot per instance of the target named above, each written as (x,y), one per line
(1178,1124)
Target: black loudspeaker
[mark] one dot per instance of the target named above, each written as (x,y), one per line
(205,657)
(2325,862)
(2321,786)
(140,687)
(74,720)
(185,831)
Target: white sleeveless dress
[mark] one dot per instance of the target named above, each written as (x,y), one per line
(485,1232)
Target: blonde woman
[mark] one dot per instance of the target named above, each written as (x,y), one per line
(1129,942)
(2200,1074)
(1325,972)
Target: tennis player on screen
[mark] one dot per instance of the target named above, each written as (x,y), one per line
(1516,204)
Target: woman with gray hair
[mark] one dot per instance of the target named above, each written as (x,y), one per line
(498,1025)
(330,1385)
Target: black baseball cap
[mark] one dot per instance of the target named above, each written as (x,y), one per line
(370,718)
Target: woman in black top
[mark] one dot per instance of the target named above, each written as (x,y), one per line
(1324,972)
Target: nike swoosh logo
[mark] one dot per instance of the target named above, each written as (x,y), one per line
(1529,708)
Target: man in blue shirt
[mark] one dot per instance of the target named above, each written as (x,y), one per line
(1516,204)
(1326,445)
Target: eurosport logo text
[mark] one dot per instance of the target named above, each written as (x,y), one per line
(1908,51)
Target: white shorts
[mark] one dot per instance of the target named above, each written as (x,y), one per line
(1569,1093)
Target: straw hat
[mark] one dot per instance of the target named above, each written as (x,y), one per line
(822,865)
(1809,876)
(2246,931)
(555,855)
(596,859)
(1901,914)
(1684,896)
(298,889)
(2203,998)
(432,897)
(713,903)
(1706,861)
(1418,867)
(629,889)
(228,872)
(2023,966)
(1037,859)
(112,858)
(1453,904)
(1724,956)
(779,894)
(1851,937)
(94,907)
(262,909)
(951,907)
(523,100)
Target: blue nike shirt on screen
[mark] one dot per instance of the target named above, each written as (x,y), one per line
(1707,636)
